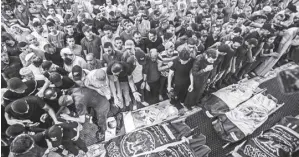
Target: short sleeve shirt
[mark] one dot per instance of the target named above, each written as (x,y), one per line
(35,111)
(123,76)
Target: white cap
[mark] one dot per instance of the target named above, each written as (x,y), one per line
(65,51)
(29,56)
(267,8)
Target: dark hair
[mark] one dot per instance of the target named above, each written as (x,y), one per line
(118,38)
(237,30)
(235,16)
(184,54)
(206,16)
(167,36)
(131,4)
(69,36)
(21,144)
(189,33)
(108,44)
(18,4)
(50,24)
(22,44)
(51,7)
(238,39)
(191,41)
(48,46)
(116,67)
(136,32)
(153,31)
(107,28)
(36,24)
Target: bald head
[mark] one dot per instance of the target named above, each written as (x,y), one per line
(32,40)
(153,54)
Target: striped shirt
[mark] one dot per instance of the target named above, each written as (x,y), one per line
(57,40)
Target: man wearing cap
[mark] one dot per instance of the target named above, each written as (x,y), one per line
(91,43)
(29,110)
(70,60)
(110,54)
(61,82)
(66,136)
(10,66)
(78,75)
(121,81)
(18,89)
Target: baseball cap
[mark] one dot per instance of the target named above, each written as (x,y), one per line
(100,75)
(46,65)
(25,71)
(29,56)
(77,72)
(14,130)
(140,56)
(16,85)
(19,106)
(56,79)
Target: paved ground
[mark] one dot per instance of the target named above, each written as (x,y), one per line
(291,107)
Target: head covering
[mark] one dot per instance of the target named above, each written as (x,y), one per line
(140,56)
(29,56)
(268,26)
(56,79)
(267,9)
(46,65)
(65,51)
(25,71)
(19,106)
(15,130)
(16,85)
(62,101)
(21,144)
(77,72)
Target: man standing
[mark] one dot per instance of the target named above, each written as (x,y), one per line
(91,43)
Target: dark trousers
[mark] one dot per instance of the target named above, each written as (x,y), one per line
(154,91)
(75,146)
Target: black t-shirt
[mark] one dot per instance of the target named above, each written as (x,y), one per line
(67,83)
(32,89)
(77,36)
(12,69)
(55,58)
(35,111)
(229,55)
(157,44)
(182,72)
(141,45)
(123,76)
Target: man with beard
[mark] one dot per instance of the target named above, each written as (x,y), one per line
(70,31)
(48,67)
(11,46)
(10,66)
(35,66)
(153,41)
(92,62)
(91,43)
(109,36)
(110,54)
(70,60)
(139,42)
(127,34)
(118,44)
(53,54)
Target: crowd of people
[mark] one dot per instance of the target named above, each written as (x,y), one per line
(64,60)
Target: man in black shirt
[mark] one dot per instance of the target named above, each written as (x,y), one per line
(61,82)
(29,110)
(18,89)
(53,54)
(10,66)
(153,41)
(139,42)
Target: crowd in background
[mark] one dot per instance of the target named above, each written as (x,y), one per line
(62,60)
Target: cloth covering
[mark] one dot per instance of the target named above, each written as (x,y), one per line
(280,140)
(246,118)
(230,97)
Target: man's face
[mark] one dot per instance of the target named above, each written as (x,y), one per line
(32,40)
(229,28)
(90,60)
(232,20)
(208,21)
(192,47)
(69,11)
(80,8)
(233,2)
(236,45)
(171,30)
(20,8)
(108,33)
(247,11)
(137,38)
(88,35)
(32,5)
(118,44)
(205,10)
(271,40)
(241,4)
(39,28)
(210,59)
(130,8)
(240,20)
(154,55)
(202,3)
(108,2)
(26,49)
(8,12)
(219,22)
(170,49)
(71,42)
(108,50)
(51,11)
(151,37)
(128,26)
(4,57)
(52,29)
